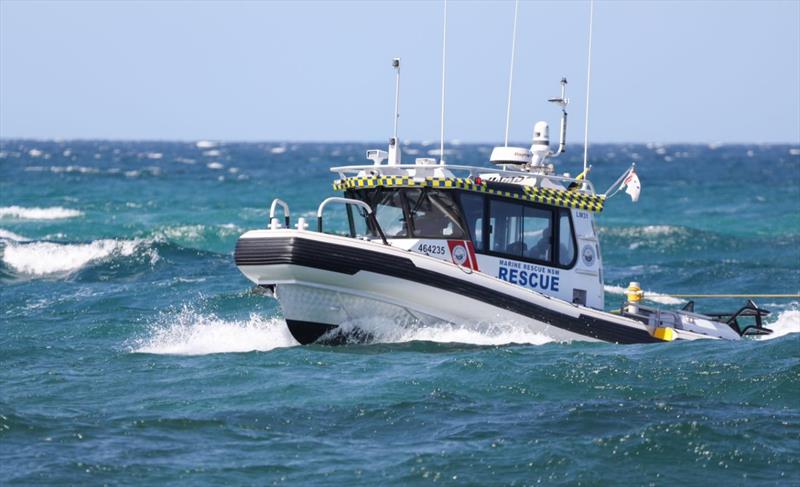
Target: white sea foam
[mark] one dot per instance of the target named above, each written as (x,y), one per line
(43,258)
(214,165)
(646,231)
(278,150)
(387,331)
(191,333)
(52,213)
(496,334)
(438,152)
(74,169)
(205,144)
(64,169)
(184,232)
(8,235)
(648,295)
(787,322)
(661,230)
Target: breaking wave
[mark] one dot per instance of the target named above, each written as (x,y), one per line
(47,258)
(787,322)
(648,295)
(52,213)
(188,332)
(8,235)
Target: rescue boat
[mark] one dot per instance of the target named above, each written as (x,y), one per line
(432,243)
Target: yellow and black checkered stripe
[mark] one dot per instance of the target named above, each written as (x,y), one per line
(553,197)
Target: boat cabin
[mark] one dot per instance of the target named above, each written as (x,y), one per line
(527,229)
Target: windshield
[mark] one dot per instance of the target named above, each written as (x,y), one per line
(414,212)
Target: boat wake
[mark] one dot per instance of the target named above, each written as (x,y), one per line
(188,332)
(376,331)
(500,334)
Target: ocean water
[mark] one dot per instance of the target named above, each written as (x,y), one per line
(132,351)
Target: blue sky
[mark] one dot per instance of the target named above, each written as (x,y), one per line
(721,71)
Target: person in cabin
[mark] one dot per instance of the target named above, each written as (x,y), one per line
(541,251)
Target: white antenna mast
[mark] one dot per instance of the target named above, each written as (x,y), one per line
(588,85)
(444,60)
(511,70)
(396,66)
(394,144)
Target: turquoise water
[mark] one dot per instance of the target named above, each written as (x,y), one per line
(132,351)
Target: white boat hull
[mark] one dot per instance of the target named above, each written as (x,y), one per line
(325,281)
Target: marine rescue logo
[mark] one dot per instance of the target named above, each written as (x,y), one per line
(587,254)
(463,253)
(459,254)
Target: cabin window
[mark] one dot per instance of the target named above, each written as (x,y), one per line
(537,233)
(433,214)
(414,212)
(520,231)
(388,208)
(566,244)
(506,226)
(472,206)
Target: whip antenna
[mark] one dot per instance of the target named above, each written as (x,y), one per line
(588,85)
(444,64)
(511,70)
(396,66)
(394,144)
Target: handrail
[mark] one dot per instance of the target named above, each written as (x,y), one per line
(474,172)
(350,201)
(286,214)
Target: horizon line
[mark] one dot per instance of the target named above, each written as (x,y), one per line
(424,143)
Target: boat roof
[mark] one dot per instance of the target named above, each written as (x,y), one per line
(547,189)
